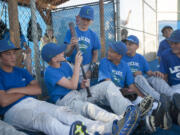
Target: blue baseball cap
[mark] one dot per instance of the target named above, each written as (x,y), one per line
(175,36)
(50,50)
(119,47)
(166,27)
(6,45)
(133,39)
(87,12)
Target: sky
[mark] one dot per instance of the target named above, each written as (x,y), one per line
(76,2)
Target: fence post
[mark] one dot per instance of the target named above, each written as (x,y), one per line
(35,40)
(143,25)
(103,49)
(178,14)
(118,20)
(14,28)
(157,40)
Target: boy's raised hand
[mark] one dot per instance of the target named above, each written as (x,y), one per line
(74,41)
(158,74)
(85,83)
(79,58)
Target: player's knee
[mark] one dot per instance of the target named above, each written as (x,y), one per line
(138,77)
(90,108)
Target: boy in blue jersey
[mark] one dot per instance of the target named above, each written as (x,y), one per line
(139,67)
(62,83)
(164,44)
(169,66)
(88,41)
(21,109)
(116,69)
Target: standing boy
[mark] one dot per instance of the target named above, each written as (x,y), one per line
(164,44)
(88,41)
(139,67)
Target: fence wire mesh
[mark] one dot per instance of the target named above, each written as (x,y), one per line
(55,19)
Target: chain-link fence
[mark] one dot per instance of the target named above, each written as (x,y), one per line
(48,17)
(25,28)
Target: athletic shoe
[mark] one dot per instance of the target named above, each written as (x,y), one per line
(176,100)
(146,105)
(161,116)
(175,108)
(150,124)
(77,128)
(128,124)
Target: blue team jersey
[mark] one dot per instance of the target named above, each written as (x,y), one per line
(164,45)
(88,42)
(170,65)
(137,63)
(17,78)
(120,74)
(52,76)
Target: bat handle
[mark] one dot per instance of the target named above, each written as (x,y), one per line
(88,92)
(84,76)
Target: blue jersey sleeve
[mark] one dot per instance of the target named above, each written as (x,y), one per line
(52,77)
(103,71)
(67,37)
(96,44)
(129,77)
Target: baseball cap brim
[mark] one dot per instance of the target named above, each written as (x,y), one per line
(86,17)
(7,49)
(131,41)
(173,40)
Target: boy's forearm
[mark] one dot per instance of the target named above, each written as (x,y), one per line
(75,77)
(69,50)
(29,90)
(7,99)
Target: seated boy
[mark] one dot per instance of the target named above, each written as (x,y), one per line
(139,67)
(169,66)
